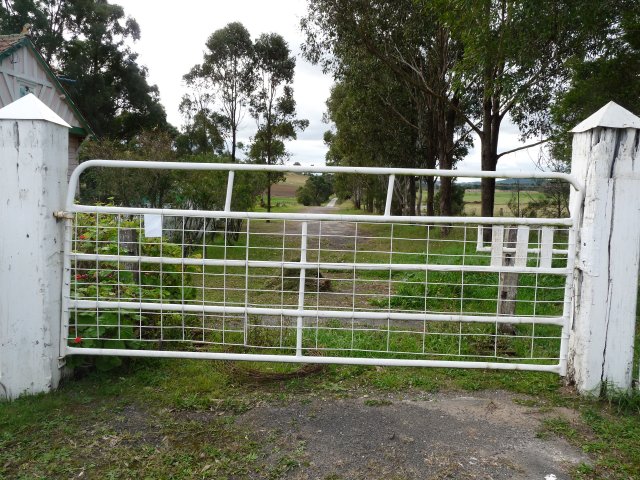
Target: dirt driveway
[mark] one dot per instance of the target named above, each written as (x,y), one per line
(431,436)
(336,235)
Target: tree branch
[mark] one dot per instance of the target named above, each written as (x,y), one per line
(395,110)
(421,84)
(523,147)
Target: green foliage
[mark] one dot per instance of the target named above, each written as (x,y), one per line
(234,75)
(467,65)
(108,281)
(202,132)
(393,104)
(130,187)
(227,74)
(316,190)
(199,190)
(272,105)
(88,42)
(610,74)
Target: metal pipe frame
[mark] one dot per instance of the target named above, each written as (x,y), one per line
(572,222)
(396,267)
(302,312)
(392,362)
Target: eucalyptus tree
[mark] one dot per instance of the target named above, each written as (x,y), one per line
(509,57)
(367,132)
(89,42)
(610,73)
(203,127)
(415,50)
(227,73)
(272,104)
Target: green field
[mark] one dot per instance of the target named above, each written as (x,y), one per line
(472,202)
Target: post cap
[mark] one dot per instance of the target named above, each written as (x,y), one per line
(30,107)
(611,115)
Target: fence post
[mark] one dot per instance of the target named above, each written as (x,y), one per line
(606,159)
(33,184)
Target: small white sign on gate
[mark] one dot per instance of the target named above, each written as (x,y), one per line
(152,225)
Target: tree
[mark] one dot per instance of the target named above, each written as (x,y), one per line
(87,41)
(408,48)
(509,56)
(315,191)
(201,132)
(131,187)
(272,104)
(610,74)
(227,71)
(368,133)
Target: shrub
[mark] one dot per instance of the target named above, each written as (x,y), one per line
(316,190)
(109,280)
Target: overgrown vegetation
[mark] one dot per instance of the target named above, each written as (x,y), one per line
(316,190)
(89,44)
(115,281)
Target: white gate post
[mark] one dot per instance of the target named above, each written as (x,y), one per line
(606,159)
(33,183)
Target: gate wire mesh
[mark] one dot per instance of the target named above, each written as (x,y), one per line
(323,288)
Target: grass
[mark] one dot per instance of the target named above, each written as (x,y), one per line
(439,340)
(502,197)
(280,205)
(179,419)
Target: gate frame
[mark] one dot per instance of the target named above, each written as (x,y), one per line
(570,222)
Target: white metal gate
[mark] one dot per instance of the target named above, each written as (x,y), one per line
(317,286)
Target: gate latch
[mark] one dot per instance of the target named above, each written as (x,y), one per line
(61,215)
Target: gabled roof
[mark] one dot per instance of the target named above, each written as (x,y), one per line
(611,115)
(31,107)
(11,43)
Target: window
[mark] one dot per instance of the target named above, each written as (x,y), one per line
(25,88)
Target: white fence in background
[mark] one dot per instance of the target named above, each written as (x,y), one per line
(318,286)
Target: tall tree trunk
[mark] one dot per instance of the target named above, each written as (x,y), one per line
(269,198)
(431,187)
(446,160)
(412,196)
(233,145)
(268,194)
(489,158)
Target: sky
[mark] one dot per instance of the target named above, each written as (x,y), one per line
(173,40)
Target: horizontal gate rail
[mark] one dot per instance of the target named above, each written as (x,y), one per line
(394,267)
(302,312)
(426,220)
(390,362)
(392,283)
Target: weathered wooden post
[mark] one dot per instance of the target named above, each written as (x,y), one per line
(606,159)
(33,184)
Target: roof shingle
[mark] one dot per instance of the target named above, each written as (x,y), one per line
(9,42)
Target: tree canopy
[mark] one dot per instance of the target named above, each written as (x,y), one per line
(226,75)
(87,42)
(476,62)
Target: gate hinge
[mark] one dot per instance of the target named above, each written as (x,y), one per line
(61,215)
